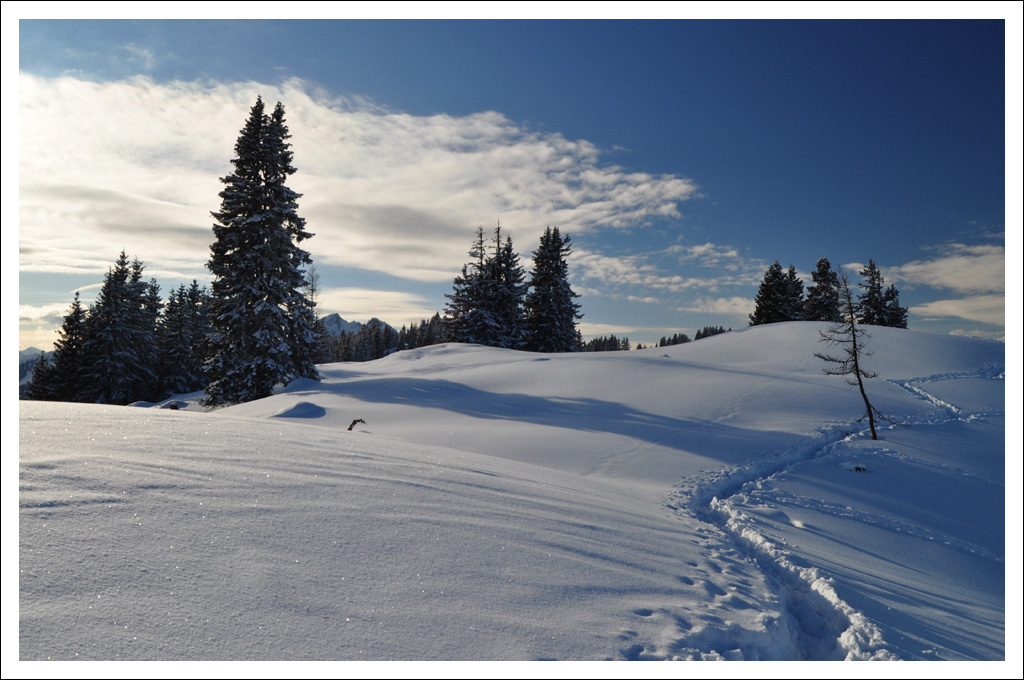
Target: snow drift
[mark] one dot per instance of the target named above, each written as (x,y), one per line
(712,500)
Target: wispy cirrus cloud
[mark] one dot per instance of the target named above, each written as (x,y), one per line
(731,306)
(632,271)
(990,309)
(389,306)
(50,315)
(676,269)
(140,57)
(958,267)
(710,255)
(134,165)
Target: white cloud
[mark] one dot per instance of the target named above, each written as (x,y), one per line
(975,333)
(134,165)
(140,56)
(592,330)
(990,309)
(962,268)
(631,270)
(709,255)
(738,306)
(639,270)
(52,315)
(360,304)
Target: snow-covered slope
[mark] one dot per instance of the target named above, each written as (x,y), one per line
(715,499)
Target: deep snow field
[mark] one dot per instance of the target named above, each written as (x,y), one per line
(711,500)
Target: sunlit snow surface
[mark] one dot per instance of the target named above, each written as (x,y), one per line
(713,500)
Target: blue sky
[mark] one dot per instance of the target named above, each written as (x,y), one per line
(682,156)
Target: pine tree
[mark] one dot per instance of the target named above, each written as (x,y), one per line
(895,315)
(780,297)
(822,302)
(794,298)
(65,375)
(117,365)
(303,333)
(871,302)
(175,344)
(551,309)
(507,292)
(771,297)
(181,332)
(43,384)
(468,314)
(263,327)
(145,335)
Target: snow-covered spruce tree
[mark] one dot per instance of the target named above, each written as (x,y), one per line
(181,331)
(303,332)
(262,325)
(507,291)
(63,380)
(467,314)
(871,302)
(42,386)
(780,297)
(794,298)
(551,309)
(822,301)
(147,334)
(175,344)
(119,343)
(772,297)
(895,315)
(849,337)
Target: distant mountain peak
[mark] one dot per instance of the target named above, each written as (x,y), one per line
(336,325)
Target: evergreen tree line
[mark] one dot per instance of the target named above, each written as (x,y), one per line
(613,344)
(708,331)
(680,338)
(610,343)
(128,345)
(493,303)
(781,297)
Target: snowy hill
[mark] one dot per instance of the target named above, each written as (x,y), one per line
(709,500)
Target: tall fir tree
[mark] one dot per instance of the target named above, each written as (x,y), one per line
(182,329)
(63,380)
(117,361)
(263,326)
(42,386)
(470,314)
(551,307)
(507,291)
(303,332)
(822,301)
(771,298)
(485,306)
(794,296)
(871,302)
(895,315)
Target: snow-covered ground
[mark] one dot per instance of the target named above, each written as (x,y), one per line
(712,500)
